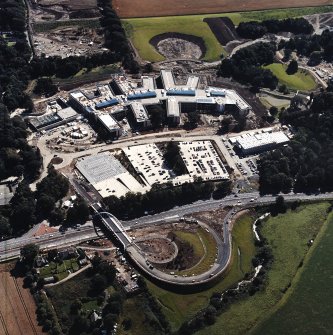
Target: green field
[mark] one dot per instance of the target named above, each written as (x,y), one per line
(287,235)
(142,30)
(204,248)
(302,80)
(307,308)
(179,307)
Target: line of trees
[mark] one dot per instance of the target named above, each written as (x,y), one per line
(255,29)
(158,199)
(174,159)
(164,197)
(316,47)
(245,65)
(306,164)
(115,35)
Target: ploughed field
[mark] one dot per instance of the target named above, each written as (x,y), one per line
(17,308)
(144,8)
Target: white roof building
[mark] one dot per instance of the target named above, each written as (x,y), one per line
(106,174)
(255,143)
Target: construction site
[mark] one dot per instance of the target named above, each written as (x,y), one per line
(65,28)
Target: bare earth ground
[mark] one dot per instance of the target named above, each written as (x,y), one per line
(179,48)
(143,8)
(17,307)
(72,4)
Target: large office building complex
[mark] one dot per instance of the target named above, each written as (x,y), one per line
(121,96)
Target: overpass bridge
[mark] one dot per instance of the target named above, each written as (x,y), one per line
(114,226)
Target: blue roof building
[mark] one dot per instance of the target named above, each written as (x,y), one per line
(144,95)
(107,103)
(190,93)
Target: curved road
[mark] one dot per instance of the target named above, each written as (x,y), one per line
(222,260)
(11,248)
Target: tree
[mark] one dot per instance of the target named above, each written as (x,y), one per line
(57,217)
(292,67)
(5,228)
(98,283)
(127,324)
(44,206)
(45,86)
(29,253)
(280,204)
(79,212)
(273,111)
(76,306)
(109,321)
(193,119)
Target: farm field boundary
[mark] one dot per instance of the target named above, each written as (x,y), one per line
(149,8)
(142,30)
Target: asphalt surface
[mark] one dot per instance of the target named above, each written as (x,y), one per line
(11,248)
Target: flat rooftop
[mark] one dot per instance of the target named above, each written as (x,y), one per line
(173,109)
(100,167)
(139,111)
(252,141)
(147,160)
(148,83)
(202,160)
(108,121)
(106,174)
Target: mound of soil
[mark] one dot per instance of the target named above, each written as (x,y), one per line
(223,29)
(177,45)
(56,160)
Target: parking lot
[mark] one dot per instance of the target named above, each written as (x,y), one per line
(246,165)
(148,160)
(202,160)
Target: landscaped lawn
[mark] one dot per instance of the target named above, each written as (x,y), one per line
(61,270)
(180,307)
(143,29)
(288,235)
(204,247)
(307,308)
(302,80)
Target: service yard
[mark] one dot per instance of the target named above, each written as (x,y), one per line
(17,307)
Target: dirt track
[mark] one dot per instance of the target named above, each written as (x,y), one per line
(144,8)
(17,308)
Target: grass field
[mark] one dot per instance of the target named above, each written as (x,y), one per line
(287,235)
(302,80)
(179,308)
(307,308)
(204,247)
(140,324)
(142,30)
